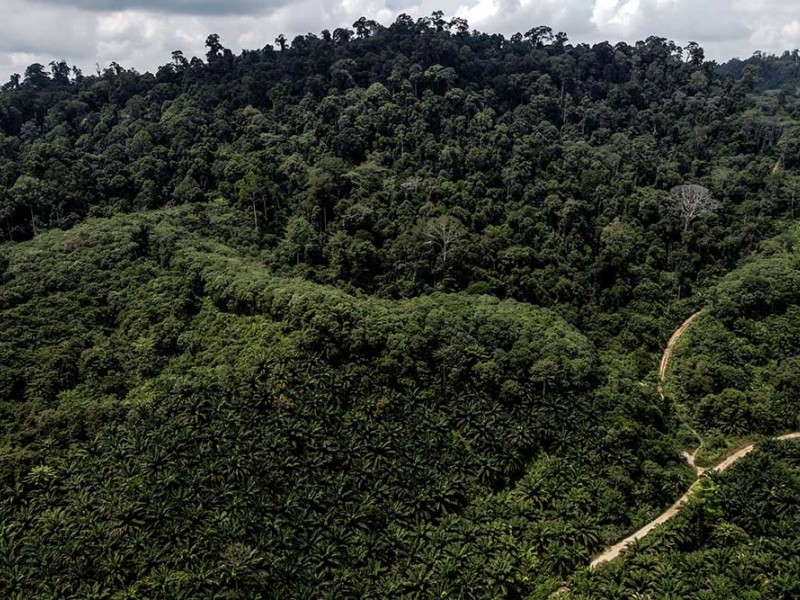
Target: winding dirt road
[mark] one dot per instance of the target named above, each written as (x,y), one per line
(615,550)
(662,369)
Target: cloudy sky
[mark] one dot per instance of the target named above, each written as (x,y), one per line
(142,33)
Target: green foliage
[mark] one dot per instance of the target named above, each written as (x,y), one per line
(736,539)
(737,368)
(202,426)
(344,151)
(378,314)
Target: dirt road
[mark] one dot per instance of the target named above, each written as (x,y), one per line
(662,370)
(615,550)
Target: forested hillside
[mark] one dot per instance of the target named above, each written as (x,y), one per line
(419,156)
(180,419)
(378,312)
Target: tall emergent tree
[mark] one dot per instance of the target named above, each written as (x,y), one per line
(693,201)
(445,234)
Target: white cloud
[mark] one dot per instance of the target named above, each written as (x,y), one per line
(192,7)
(143,33)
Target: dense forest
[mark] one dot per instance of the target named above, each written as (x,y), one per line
(378,313)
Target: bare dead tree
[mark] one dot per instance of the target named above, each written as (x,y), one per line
(693,201)
(446,234)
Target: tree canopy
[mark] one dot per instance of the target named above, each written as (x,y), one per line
(378,312)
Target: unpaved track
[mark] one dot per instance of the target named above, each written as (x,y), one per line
(673,510)
(662,370)
(616,549)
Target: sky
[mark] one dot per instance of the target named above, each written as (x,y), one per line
(142,34)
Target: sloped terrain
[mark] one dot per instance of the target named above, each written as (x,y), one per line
(379,314)
(178,420)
